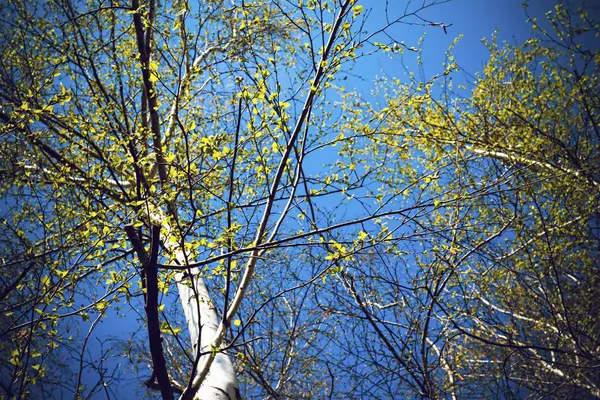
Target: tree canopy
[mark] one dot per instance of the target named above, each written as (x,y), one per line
(198,171)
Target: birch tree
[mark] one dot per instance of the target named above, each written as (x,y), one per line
(151,148)
(506,295)
(201,169)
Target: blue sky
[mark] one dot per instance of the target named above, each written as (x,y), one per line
(479,19)
(473,19)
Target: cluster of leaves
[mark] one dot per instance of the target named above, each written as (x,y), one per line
(504,302)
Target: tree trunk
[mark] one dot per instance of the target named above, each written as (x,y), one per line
(221,381)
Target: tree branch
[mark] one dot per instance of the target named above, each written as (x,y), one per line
(150,265)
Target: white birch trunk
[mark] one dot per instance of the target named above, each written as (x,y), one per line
(221,381)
